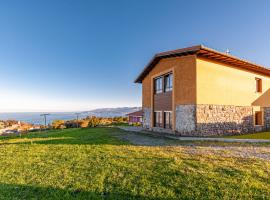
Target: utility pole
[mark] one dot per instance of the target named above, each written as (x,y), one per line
(77,116)
(45,118)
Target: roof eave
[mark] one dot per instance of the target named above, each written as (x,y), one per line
(198,50)
(157,57)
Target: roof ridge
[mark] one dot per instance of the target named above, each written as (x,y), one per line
(206,52)
(235,57)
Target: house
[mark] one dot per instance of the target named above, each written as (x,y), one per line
(198,91)
(135,117)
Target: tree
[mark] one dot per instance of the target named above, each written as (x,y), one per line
(2,124)
(57,124)
(84,123)
(94,121)
(120,119)
(71,124)
(11,122)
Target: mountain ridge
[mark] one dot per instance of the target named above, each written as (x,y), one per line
(112,112)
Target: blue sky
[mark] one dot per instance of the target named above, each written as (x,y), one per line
(78,55)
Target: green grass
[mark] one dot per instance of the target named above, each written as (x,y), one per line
(120,124)
(94,164)
(261,135)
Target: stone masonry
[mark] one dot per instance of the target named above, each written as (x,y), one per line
(266,117)
(146,117)
(185,118)
(208,120)
(223,120)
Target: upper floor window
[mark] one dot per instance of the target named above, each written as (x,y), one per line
(168,82)
(258,85)
(158,85)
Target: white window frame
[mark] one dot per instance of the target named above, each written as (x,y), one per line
(170,88)
(160,84)
(170,120)
(161,120)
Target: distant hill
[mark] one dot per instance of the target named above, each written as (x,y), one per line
(35,118)
(112,112)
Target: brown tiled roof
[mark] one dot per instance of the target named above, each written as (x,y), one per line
(138,113)
(202,51)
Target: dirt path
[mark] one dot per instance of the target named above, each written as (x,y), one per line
(218,139)
(226,149)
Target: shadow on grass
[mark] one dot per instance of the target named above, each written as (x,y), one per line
(108,136)
(92,136)
(13,191)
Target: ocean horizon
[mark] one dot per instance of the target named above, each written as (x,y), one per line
(35,118)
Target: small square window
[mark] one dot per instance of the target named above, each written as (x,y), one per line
(258,118)
(258,85)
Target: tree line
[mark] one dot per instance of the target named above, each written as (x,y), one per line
(8,123)
(90,121)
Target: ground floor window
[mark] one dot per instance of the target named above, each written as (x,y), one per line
(158,119)
(258,118)
(168,119)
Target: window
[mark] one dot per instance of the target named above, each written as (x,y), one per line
(158,119)
(258,85)
(168,82)
(158,85)
(258,118)
(168,119)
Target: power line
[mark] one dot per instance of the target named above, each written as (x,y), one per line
(45,118)
(77,116)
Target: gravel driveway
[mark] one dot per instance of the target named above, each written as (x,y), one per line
(217,139)
(227,149)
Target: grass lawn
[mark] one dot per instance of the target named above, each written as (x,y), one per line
(262,135)
(94,164)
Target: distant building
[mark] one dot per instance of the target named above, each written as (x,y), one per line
(135,117)
(18,127)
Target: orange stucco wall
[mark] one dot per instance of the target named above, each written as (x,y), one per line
(222,84)
(184,79)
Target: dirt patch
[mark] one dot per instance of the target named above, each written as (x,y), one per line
(242,152)
(143,140)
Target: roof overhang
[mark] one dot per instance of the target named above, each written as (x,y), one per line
(138,113)
(204,52)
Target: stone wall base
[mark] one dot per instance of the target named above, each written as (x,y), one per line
(266,111)
(162,130)
(185,118)
(210,120)
(146,118)
(223,120)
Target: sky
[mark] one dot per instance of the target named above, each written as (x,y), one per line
(67,55)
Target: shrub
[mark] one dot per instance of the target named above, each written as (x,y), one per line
(94,121)
(84,123)
(58,124)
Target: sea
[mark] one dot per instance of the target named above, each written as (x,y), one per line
(37,119)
